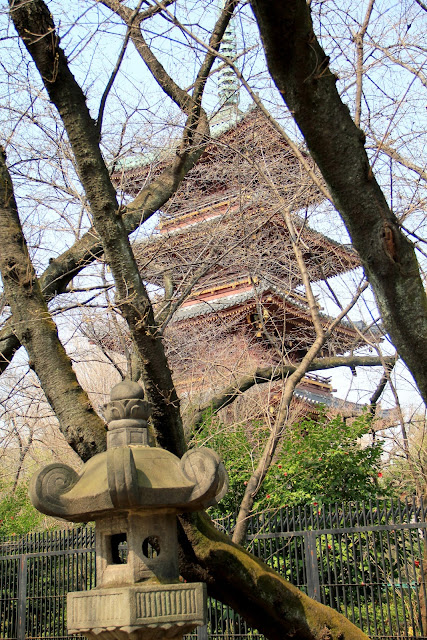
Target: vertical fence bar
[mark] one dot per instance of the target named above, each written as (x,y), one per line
(22,598)
(312,567)
(405,535)
(366,580)
(383,559)
(423,560)
(392,581)
(202,632)
(412,570)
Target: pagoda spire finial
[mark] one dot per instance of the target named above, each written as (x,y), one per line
(228,84)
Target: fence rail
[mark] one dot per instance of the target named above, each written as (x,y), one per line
(365,560)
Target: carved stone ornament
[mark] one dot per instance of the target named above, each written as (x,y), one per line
(133,491)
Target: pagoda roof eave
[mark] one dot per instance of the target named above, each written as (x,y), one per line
(262,293)
(200,218)
(345,407)
(177,248)
(160,156)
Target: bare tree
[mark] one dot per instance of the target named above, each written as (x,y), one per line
(31,283)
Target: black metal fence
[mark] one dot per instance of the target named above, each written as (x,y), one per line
(36,573)
(365,560)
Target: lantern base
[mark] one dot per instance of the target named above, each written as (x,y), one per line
(138,612)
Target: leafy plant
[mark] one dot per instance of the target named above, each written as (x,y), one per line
(325,460)
(17,514)
(320,460)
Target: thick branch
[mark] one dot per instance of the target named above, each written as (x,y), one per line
(299,68)
(421,4)
(270,374)
(267,601)
(164,80)
(373,400)
(151,198)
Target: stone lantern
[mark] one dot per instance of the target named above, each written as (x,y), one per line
(133,491)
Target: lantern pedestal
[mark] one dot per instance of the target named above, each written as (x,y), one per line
(143,612)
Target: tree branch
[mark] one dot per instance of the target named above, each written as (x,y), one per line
(421,4)
(358,38)
(270,374)
(266,600)
(394,155)
(291,381)
(300,69)
(373,400)
(405,65)
(115,71)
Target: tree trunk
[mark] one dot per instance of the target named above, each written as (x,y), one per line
(299,68)
(267,602)
(31,321)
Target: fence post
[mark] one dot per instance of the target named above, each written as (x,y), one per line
(202,632)
(311,566)
(22,598)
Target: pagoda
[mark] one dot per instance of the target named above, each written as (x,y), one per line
(223,248)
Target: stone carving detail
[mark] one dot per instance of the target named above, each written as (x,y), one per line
(223,485)
(122,477)
(173,603)
(161,610)
(127,407)
(86,610)
(204,468)
(49,485)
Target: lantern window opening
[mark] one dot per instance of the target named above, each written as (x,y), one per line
(118,548)
(151,547)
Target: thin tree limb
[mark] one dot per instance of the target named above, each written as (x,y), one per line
(115,70)
(394,155)
(358,38)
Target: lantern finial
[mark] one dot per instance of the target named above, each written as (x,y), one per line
(127,414)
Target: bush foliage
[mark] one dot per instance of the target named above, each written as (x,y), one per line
(320,460)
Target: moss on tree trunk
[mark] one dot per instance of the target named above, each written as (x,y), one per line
(266,600)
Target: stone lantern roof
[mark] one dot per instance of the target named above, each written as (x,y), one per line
(131,474)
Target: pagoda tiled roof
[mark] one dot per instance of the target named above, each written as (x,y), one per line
(259,247)
(194,309)
(189,219)
(345,407)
